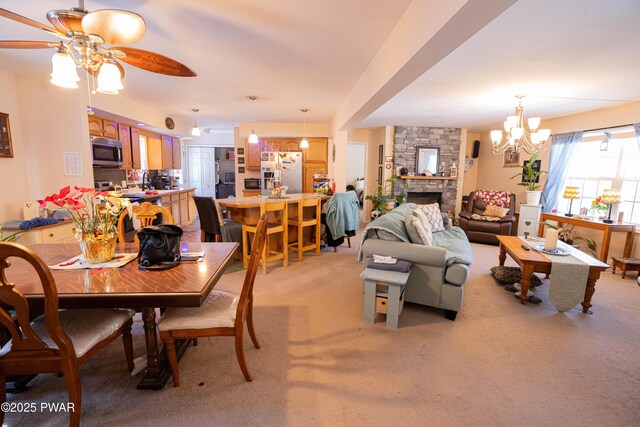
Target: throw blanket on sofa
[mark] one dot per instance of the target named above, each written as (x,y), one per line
(457,245)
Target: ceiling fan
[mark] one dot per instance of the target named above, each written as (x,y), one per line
(84,35)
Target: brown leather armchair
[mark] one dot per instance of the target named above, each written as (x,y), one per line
(486,231)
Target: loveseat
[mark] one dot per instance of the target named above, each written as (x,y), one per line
(478,227)
(440,271)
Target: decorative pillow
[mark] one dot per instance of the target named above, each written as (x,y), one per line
(497,211)
(424,233)
(511,275)
(496,198)
(485,218)
(412,232)
(433,216)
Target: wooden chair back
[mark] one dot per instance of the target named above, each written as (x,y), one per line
(146,213)
(27,347)
(306,203)
(279,211)
(257,247)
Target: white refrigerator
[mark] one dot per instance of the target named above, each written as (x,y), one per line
(282,167)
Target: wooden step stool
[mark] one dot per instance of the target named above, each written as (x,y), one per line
(625,264)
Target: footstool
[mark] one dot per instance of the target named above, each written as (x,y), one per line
(374,301)
(625,264)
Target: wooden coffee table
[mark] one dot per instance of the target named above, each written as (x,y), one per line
(533,261)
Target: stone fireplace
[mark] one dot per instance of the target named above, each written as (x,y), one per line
(443,190)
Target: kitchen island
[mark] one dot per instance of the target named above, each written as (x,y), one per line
(247,209)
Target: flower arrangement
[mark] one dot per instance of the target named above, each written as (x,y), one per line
(598,206)
(93,212)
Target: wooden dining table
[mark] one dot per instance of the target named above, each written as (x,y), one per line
(186,285)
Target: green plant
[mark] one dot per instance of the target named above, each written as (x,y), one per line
(529,174)
(11,238)
(568,236)
(379,199)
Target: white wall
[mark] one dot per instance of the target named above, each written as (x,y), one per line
(356,155)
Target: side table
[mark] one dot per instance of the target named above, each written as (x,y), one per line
(395,282)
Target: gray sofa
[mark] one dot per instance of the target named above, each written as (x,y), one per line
(440,271)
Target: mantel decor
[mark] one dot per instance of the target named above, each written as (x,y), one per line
(6,148)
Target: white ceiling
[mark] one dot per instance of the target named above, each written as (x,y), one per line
(294,54)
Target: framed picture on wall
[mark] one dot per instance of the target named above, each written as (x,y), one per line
(240,151)
(240,169)
(379,175)
(511,158)
(240,160)
(380,153)
(6,148)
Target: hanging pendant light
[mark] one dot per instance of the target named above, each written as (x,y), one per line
(196,130)
(253,137)
(304,143)
(64,73)
(109,78)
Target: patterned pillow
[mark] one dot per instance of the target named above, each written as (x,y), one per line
(511,275)
(433,216)
(496,198)
(496,211)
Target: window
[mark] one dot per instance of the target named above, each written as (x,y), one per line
(596,166)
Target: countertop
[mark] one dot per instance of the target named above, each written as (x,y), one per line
(253,202)
(15,225)
(161,193)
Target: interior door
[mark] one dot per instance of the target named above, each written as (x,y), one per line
(209,172)
(194,169)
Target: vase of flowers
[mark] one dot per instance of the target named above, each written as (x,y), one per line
(95,214)
(599,209)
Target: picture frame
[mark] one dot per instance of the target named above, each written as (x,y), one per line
(240,160)
(380,153)
(6,147)
(380,175)
(240,151)
(537,165)
(240,169)
(510,158)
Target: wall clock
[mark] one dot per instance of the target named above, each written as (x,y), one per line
(169,123)
(388,166)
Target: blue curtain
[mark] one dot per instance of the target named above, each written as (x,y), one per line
(562,147)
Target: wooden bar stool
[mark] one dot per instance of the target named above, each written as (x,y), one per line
(277,219)
(301,222)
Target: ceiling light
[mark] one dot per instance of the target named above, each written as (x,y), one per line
(304,143)
(253,138)
(64,73)
(516,137)
(196,130)
(109,78)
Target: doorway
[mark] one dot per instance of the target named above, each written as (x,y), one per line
(356,170)
(211,171)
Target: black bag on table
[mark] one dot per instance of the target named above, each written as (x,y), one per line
(159,246)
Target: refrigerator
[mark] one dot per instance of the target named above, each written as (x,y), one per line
(281,167)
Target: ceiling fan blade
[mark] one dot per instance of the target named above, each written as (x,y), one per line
(115,26)
(24,20)
(26,44)
(153,62)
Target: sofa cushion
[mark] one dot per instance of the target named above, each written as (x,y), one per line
(511,275)
(433,216)
(385,235)
(457,274)
(414,237)
(495,211)
(477,217)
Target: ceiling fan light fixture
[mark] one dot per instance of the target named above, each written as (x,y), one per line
(109,79)
(64,73)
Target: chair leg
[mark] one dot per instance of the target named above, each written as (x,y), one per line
(335,249)
(240,354)
(74,390)
(173,360)
(318,238)
(300,244)
(244,248)
(195,342)
(285,243)
(218,239)
(202,236)
(265,251)
(349,241)
(127,342)
(252,332)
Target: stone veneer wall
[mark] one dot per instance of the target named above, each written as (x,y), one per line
(407,138)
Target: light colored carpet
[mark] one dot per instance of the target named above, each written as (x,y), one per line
(499,364)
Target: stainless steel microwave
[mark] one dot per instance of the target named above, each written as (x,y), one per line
(106,152)
(252,184)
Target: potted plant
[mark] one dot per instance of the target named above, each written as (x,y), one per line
(529,177)
(568,236)
(379,200)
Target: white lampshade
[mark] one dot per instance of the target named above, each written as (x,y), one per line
(513,121)
(253,138)
(544,134)
(196,130)
(507,126)
(534,122)
(304,143)
(109,79)
(496,136)
(517,133)
(64,73)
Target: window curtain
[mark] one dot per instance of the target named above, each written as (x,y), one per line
(562,147)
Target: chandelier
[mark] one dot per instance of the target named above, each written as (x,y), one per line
(516,137)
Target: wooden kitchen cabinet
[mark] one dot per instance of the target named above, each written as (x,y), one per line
(177,154)
(307,176)
(136,162)
(110,129)
(167,152)
(102,127)
(252,157)
(154,153)
(95,126)
(124,132)
(317,153)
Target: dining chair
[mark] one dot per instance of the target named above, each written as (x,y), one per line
(276,223)
(222,314)
(301,222)
(146,213)
(58,341)
(211,220)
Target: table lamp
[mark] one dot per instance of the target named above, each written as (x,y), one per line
(571,193)
(610,197)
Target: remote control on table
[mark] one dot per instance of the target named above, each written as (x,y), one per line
(525,247)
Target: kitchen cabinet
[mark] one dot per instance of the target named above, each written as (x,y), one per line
(252,157)
(307,176)
(102,127)
(181,206)
(251,193)
(167,152)
(58,233)
(136,162)
(124,132)
(177,154)
(154,152)
(317,153)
